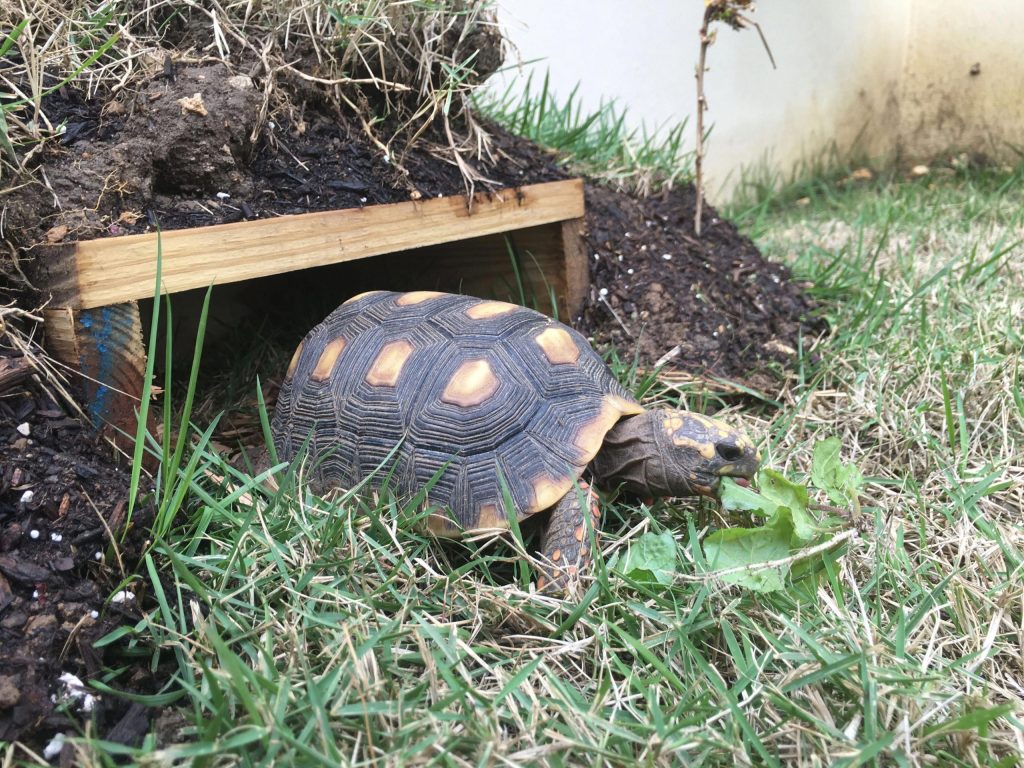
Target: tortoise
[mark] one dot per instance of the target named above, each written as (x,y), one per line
(482,402)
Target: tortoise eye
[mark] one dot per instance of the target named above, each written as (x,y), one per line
(728,451)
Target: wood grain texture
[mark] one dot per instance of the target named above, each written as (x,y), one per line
(105,345)
(577,269)
(549,260)
(116,270)
(53,269)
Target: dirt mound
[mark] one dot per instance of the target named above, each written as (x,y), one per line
(712,305)
(180,152)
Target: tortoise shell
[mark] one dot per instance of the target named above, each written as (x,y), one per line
(453,394)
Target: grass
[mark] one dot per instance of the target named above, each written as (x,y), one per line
(296,630)
(401,67)
(301,631)
(599,143)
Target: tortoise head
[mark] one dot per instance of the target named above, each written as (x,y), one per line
(696,452)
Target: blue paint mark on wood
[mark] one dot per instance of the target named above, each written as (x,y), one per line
(110,348)
(96,361)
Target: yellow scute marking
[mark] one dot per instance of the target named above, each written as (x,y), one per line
(328,358)
(707,450)
(547,491)
(489,516)
(591,436)
(471,384)
(486,309)
(440,524)
(295,362)
(626,407)
(415,297)
(362,295)
(388,364)
(558,346)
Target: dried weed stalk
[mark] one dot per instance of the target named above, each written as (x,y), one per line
(398,66)
(728,12)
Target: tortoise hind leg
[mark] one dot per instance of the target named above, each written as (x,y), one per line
(565,544)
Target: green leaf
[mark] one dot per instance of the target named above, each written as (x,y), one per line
(743,547)
(785,493)
(740,498)
(840,481)
(792,498)
(825,463)
(652,557)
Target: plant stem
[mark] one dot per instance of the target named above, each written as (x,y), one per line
(701,106)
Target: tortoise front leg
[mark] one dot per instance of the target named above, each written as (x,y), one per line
(565,545)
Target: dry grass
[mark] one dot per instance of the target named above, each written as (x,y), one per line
(312,632)
(403,65)
(303,632)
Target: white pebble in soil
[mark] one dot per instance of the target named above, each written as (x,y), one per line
(24,429)
(75,690)
(54,748)
(27,496)
(33,534)
(603,292)
(667,256)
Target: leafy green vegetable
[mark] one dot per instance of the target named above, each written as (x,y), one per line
(740,498)
(789,526)
(840,481)
(652,557)
(791,497)
(746,547)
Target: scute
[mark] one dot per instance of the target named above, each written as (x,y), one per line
(492,400)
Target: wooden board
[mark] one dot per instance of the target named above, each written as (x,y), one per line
(526,239)
(105,345)
(529,266)
(114,270)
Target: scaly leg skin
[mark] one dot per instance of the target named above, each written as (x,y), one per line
(565,545)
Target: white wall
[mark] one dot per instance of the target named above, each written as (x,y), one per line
(942,104)
(870,77)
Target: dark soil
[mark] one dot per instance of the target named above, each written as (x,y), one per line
(57,568)
(711,306)
(715,308)
(179,153)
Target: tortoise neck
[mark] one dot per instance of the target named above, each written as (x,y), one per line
(629,456)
